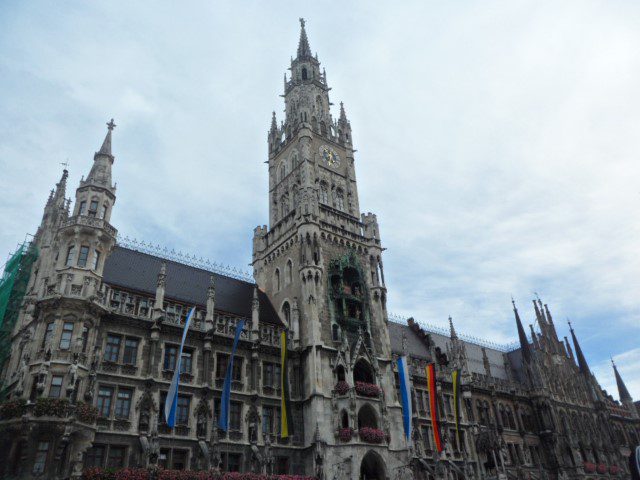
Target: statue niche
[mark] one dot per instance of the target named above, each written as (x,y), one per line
(347,294)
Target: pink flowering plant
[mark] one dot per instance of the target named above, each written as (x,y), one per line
(367,389)
(345,434)
(13,408)
(162,474)
(371,435)
(86,413)
(342,387)
(51,407)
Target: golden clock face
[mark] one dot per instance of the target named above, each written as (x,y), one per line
(329,156)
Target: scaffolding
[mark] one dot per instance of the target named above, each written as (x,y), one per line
(13,286)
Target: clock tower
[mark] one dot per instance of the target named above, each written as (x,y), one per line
(320,263)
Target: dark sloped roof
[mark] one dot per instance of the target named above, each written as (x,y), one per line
(138,271)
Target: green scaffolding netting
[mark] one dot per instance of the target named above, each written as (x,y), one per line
(13,286)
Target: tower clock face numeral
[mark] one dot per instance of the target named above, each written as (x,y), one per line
(329,156)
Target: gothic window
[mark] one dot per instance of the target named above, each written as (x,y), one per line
(289,272)
(103,403)
(65,338)
(362,372)
(283,171)
(96,260)
(182,410)
(314,124)
(123,402)
(84,255)
(335,333)
(286,312)
(277,280)
(93,208)
(85,338)
(344,419)
(324,193)
(56,386)
(71,252)
(104,211)
(367,417)
(112,348)
(323,128)
(41,458)
(341,373)
(48,334)
(284,205)
(83,207)
(304,73)
(340,199)
(130,351)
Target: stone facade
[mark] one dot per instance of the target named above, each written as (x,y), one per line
(94,349)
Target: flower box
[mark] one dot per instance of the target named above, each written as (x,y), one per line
(13,408)
(345,434)
(86,413)
(371,435)
(589,467)
(51,407)
(342,387)
(367,389)
(602,468)
(161,474)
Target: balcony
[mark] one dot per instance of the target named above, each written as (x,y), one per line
(93,222)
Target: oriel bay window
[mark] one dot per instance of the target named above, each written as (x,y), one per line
(93,208)
(71,253)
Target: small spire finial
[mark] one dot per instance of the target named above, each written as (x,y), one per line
(301,22)
(111,125)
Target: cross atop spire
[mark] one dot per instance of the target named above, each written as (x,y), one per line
(304,50)
(106,145)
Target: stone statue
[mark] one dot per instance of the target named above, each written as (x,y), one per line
(201,423)
(267,455)
(73,373)
(154,448)
(23,373)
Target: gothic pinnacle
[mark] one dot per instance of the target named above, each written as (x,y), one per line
(582,361)
(452,330)
(304,51)
(106,145)
(623,392)
(522,336)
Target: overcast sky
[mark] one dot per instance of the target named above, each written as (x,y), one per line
(498,142)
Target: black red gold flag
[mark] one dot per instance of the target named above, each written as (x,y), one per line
(433,403)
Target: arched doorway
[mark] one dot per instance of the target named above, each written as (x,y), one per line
(372,467)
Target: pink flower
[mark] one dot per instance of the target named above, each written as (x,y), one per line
(367,389)
(342,387)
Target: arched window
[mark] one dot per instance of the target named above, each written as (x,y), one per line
(286,312)
(344,419)
(284,205)
(323,128)
(304,73)
(341,373)
(276,280)
(324,193)
(289,272)
(367,417)
(339,199)
(362,372)
(283,171)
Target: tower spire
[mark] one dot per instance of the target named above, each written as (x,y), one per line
(522,336)
(304,51)
(623,392)
(100,174)
(106,144)
(452,330)
(582,361)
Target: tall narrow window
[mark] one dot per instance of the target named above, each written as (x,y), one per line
(85,338)
(103,403)
(83,207)
(130,355)
(286,312)
(93,208)
(112,348)
(182,410)
(56,386)
(84,255)
(268,420)
(340,200)
(304,73)
(41,457)
(277,279)
(324,193)
(289,272)
(71,253)
(95,456)
(170,357)
(186,362)
(123,402)
(96,260)
(235,416)
(65,338)
(104,212)
(48,334)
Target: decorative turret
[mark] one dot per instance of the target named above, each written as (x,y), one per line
(55,212)
(304,51)
(211,303)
